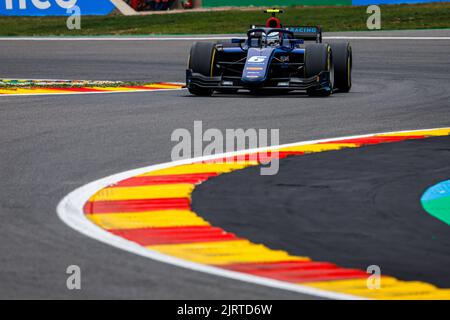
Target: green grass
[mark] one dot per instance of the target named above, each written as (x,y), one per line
(419,16)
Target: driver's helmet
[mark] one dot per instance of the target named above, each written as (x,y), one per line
(273,38)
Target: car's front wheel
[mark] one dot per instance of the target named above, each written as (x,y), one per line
(201,60)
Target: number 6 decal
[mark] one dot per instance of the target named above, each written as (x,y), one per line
(257,59)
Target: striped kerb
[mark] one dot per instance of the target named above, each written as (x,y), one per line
(91,89)
(153,210)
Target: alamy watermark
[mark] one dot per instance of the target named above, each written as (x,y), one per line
(74,19)
(374,280)
(374,20)
(73,281)
(201,143)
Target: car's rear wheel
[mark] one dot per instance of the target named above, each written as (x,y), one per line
(201,60)
(342,60)
(318,58)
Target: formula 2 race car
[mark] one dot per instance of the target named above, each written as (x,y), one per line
(272,58)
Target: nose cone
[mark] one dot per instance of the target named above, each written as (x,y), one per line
(257,65)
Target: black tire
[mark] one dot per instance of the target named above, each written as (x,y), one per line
(342,60)
(201,61)
(318,58)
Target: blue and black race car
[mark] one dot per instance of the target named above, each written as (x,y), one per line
(271,58)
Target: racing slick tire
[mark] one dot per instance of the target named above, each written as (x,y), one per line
(318,58)
(201,61)
(342,60)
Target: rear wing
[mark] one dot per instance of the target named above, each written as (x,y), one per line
(307,33)
(312,33)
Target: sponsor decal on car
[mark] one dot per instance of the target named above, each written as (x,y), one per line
(257,59)
(255,68)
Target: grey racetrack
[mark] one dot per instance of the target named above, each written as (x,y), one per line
(50,145)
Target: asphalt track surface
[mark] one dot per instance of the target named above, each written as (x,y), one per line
(51,145)
(355,207)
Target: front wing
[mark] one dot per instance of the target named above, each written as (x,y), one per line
(320,81)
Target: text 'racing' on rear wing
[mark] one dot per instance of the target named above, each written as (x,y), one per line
(307,33)
(311,33)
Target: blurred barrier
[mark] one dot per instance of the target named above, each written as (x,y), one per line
(366,2)
(54,7)
(104,7)
(269,3)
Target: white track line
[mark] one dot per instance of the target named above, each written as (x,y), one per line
(384,38)
(70,211)
(193,38)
